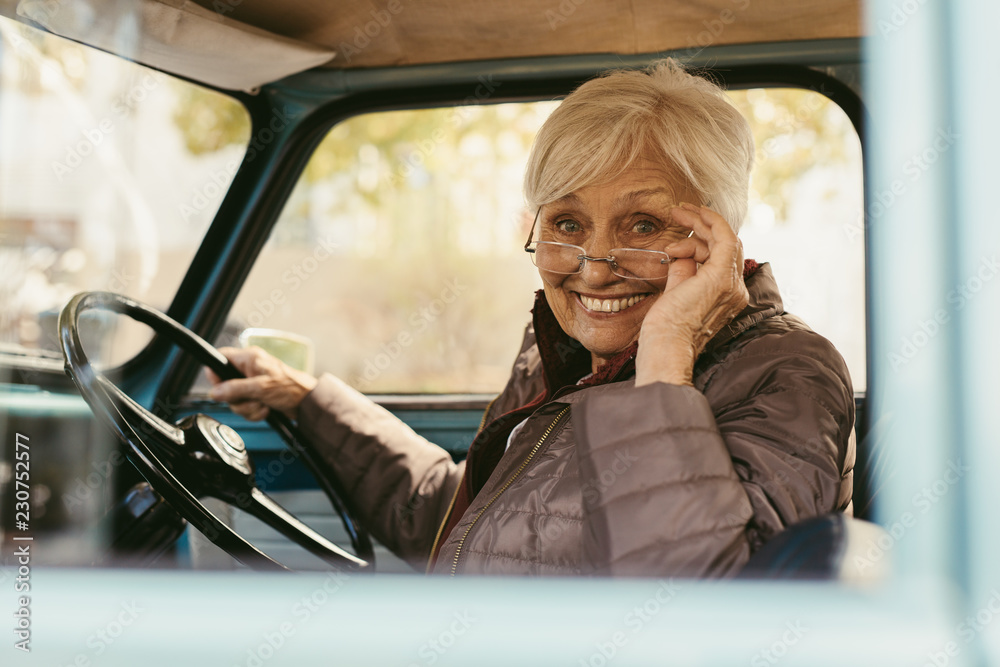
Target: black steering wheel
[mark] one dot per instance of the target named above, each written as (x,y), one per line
(198,456)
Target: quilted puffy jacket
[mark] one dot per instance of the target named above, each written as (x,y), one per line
(603,477)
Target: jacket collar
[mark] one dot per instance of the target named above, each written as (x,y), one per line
(565,361)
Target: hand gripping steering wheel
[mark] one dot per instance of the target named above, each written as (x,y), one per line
(199,456)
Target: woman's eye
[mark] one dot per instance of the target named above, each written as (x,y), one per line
(568,226)
(644,227)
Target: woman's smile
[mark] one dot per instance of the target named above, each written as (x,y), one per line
(598,305)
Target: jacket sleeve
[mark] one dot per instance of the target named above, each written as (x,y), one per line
(673,487)
(400,483)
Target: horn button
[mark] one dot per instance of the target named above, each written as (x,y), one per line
(222,457)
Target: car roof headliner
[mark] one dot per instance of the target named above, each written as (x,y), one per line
(242,44)
(436,31)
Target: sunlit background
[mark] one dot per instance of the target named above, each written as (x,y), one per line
(398,253)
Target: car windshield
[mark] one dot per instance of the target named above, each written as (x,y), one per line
(110,173)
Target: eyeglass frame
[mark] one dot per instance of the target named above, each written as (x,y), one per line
(610,259)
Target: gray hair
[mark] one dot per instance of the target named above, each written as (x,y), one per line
(604,125)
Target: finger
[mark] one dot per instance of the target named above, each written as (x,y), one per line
(725,247)
(248,360)
(692,220)
(250,410)
(235,391)
(689,248)
(680,270)
(706,223)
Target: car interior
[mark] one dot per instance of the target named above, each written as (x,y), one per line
(340,184)
(289,133)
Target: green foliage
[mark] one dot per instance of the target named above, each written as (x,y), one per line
(208,120)
(794,130)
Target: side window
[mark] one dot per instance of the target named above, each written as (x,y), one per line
(399,254)
(806,212)
(400,251)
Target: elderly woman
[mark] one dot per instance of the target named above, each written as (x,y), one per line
(665,415)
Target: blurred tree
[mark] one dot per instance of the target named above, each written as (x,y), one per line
(794,130)
(208,120)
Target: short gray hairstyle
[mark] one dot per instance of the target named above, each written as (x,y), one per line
(604,125)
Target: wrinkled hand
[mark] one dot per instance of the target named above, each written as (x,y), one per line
(704,292)
(269,384)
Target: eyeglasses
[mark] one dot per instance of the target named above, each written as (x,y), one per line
(630,263)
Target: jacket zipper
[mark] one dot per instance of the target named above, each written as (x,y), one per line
(524,464)
(454,496)
(486,413)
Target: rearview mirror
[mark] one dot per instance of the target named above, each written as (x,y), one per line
(295,350)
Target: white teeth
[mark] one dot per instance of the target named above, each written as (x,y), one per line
(610,305)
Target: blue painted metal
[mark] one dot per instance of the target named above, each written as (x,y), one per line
(31,401)
(257,620)
(912,266)
(972,220)
(934,242)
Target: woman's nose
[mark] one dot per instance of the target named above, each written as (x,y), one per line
(598,272)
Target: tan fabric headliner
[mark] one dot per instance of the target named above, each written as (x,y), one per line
(432,31)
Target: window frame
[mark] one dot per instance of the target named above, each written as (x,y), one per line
(261,187)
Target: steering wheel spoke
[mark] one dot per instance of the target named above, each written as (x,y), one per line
(141,419)
(265,508)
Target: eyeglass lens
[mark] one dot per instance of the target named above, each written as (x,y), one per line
(626,262)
